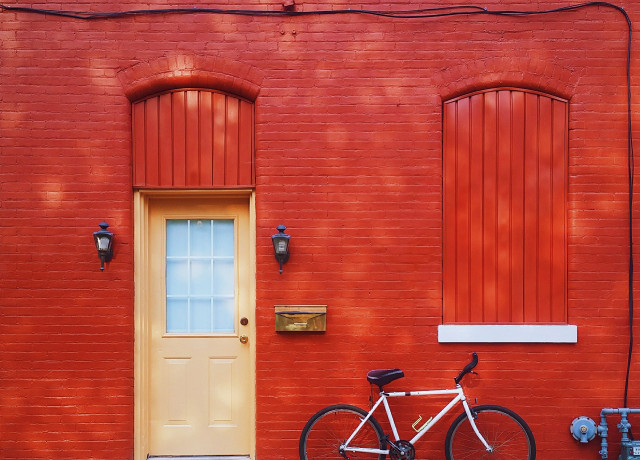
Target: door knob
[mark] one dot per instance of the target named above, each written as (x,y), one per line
(244,339)
(244,321)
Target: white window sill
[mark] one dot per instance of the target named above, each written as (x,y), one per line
(507,333)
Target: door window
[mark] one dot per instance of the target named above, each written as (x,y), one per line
(200,276)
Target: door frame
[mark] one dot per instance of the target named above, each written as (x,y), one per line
(141,206)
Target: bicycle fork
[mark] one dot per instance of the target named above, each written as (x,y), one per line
(471,416)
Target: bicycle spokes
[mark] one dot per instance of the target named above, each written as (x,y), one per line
(505,432)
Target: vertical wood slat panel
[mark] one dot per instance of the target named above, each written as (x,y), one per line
(139,147)
(245,144)
(559,218)
(231,152)
(517,206)
(530,272)
(206,138)
(517,181)
(178,110)
(489,229)
(449,220)
(544,210)
(192,151)
(503,208)
(194,139)
(476,249)
(165,148)
(219,137)
(462,213)
(152,142)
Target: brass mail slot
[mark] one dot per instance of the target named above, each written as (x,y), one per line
(296,318)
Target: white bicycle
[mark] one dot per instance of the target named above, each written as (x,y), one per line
(343,431)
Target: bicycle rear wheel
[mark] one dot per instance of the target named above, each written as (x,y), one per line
(505,431)
(329,428)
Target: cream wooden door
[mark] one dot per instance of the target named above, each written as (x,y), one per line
(200,327)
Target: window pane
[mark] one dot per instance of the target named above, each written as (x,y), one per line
(177,238)
(223,277)
(200,277)
(200,233)
(200,315)
(223,238)
(177,319)
(177,277)
(223,315)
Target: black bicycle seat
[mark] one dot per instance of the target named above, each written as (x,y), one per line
(381,377)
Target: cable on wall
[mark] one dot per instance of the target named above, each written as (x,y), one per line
(424,13)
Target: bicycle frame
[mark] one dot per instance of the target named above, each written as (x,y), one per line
(458,397)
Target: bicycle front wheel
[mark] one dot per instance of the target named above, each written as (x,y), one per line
(505,431)
(330,428)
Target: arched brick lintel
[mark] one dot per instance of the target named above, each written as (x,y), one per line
(524,72)
(173,72)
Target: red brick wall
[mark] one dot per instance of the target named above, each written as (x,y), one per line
(348,157)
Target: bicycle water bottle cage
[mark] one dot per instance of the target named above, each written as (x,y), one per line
(382,377)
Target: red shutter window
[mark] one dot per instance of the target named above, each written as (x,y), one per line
(193,139)
(505,184)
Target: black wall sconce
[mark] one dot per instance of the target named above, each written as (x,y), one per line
(104,240)
(281,245)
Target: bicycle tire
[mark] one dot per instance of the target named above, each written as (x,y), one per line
(331,427)
(504,430)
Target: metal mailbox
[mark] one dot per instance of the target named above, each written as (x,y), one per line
(299,318)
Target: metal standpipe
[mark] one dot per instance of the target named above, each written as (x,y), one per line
(629,449)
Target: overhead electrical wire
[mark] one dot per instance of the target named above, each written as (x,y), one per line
(414,13)
(423,13)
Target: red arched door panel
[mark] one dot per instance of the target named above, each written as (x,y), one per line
(193,139)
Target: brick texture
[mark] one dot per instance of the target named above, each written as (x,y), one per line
(348,139)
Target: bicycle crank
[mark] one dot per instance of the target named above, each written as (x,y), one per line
(402,450)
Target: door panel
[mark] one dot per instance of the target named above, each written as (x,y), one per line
(201,376)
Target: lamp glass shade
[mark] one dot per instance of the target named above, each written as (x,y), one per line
(280,245)
(103,243)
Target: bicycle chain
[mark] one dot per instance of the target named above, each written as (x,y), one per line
(402,450)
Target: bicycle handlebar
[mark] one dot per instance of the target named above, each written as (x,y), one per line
(468,368)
